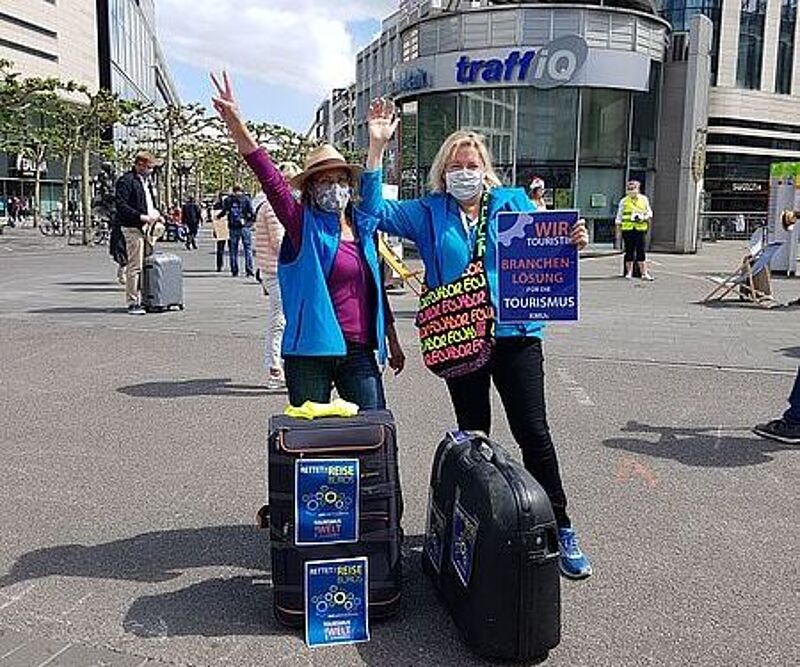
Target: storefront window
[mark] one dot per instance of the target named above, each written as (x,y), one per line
(546,138)
(783,72)
(491,113)
(604,127)
(645,124)
(751,44)
(437,118)
(599,192)
(409,178)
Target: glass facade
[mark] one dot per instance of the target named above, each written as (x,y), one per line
(680,13)
(585,143)
(784,69)
(751,44)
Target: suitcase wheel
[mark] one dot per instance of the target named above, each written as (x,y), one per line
(262,517)
(180,306)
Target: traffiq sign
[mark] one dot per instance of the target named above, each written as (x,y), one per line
(554,64)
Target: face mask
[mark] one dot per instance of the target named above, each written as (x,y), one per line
(332,197)
(464,184)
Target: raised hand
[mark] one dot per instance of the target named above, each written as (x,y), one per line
(225,102)
(579,236)
(381,120)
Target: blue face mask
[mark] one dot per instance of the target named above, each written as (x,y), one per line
(332,197)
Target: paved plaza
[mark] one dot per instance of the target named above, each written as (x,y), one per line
(133,464)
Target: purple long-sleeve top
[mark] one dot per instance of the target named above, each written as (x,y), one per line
(349,283)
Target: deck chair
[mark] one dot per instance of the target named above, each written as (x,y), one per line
(409,277)
(751,278)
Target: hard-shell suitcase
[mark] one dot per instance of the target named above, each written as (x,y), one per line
(162,282)
(491,549)
(370,438)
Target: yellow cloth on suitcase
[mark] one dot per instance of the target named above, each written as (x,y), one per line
(311,410)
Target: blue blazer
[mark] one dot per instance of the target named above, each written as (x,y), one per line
(311,325)
(434,224)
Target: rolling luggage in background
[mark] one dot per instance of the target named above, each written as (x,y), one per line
(370,438)
(491,548)
(162,282)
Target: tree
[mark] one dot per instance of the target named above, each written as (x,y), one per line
(27,109)
(169,127)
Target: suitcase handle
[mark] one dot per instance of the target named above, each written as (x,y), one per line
(482,448)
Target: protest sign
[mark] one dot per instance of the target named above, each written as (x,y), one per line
(537,267)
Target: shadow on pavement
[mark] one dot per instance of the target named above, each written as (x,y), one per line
(98,290)
(701,446)
(199,387)
(150,557)
(423,633)
(85,283)
(77,310)
(217,607)
(791,352)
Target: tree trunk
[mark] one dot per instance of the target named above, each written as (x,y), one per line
(37,184)
(168,165)
(65,185)
(86,191)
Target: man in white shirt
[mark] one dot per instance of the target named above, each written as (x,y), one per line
(135,211)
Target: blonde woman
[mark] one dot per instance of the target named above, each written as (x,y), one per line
(443,224)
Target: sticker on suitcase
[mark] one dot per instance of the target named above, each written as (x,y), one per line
(336,602)
(434,533)
(465,533)
(326,501)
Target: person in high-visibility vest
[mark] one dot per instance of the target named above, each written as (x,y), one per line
(633,219)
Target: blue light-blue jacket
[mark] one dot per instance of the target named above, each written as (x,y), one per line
(311,325)
(434,224)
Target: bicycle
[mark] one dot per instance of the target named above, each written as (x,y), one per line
(52,225)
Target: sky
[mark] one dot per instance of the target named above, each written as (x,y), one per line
(284,56)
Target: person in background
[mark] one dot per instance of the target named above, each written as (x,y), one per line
(633,220)
(219,226)
(786,428)
(239,210)
(268,237)
(464,192)
(191,216)
(537,194)
(136,212)
(331,287)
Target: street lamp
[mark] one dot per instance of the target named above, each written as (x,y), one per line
(183,167)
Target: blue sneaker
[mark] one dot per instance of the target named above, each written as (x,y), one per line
(572,560)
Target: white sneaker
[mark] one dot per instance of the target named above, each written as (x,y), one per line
(628,276)
(648,277)
(276,380)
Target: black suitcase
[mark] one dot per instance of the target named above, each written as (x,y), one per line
(491,548)
(369,437)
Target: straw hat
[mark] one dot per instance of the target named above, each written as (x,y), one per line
(153,232)
(320,159)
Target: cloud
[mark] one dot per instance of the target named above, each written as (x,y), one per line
(303,44)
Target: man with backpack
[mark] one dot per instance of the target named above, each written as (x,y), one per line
(239,210)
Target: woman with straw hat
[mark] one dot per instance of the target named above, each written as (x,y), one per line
(328,271)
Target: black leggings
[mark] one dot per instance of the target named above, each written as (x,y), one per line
(633,241)
(518,373)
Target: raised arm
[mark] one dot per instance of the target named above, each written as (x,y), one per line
(288,210)
(404,218)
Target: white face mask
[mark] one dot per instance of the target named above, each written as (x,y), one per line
(464,184)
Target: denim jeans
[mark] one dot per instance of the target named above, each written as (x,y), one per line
(245,235)
(792,415)
(517,370)
(356,377)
